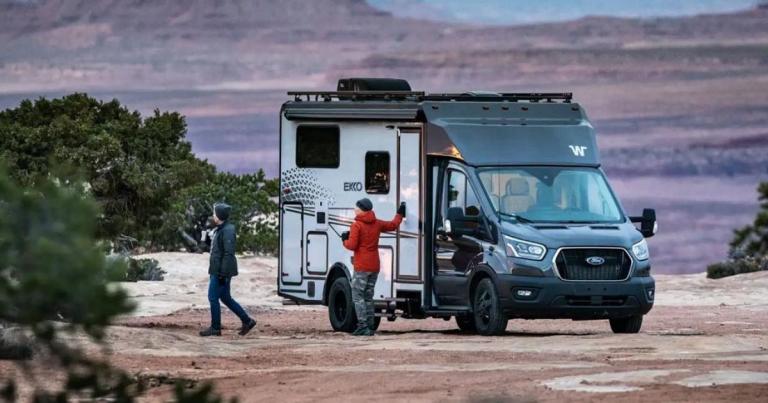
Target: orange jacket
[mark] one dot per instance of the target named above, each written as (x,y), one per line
(364,240)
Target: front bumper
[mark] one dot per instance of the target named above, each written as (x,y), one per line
(552,298)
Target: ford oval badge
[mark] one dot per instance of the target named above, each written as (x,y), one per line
(595,260)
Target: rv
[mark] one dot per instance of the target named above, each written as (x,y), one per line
(509,214)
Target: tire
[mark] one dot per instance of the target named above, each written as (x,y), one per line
(631,324)
(341,310)
(489,317)
(466,323)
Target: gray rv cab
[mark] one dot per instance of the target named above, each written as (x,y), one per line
(516,217)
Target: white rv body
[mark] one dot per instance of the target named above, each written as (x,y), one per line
(318,205)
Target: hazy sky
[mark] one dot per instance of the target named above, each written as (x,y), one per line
(527,11)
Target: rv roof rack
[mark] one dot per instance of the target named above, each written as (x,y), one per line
(329,96)
(355,95)
(549,97)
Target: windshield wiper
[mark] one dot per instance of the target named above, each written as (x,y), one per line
(519,218)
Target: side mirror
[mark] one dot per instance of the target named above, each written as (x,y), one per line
(648,223)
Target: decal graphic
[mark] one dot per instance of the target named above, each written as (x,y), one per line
(302,185)
(353,186)
(578,150)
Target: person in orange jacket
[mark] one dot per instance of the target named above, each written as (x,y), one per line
(363,239)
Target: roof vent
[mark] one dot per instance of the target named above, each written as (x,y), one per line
(373,84)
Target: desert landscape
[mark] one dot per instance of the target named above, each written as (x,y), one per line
(680,106)
(679,102)
(704,340)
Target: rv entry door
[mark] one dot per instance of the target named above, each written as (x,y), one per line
(409,240)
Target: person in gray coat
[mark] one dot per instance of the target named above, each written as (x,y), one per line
(221,269)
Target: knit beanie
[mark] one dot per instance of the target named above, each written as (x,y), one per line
(222,211)
(364,204)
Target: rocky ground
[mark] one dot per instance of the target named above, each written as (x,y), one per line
(706,340)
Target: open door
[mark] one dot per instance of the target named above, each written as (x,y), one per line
(409,239)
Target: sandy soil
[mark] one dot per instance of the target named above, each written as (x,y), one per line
(186,284)
(704,341)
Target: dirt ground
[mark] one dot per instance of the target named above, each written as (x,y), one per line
(712,350)
(683,354)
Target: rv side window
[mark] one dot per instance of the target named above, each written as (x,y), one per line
(377,172)
(317,147)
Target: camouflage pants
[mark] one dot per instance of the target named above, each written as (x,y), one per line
(363,284)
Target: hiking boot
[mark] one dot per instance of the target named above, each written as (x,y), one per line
(210,332)
(247,327)
(361,331)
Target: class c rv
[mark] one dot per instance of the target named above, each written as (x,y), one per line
(509,214)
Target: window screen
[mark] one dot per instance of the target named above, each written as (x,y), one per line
(377,172)
(317,147)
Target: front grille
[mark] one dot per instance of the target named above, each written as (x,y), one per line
(572,264)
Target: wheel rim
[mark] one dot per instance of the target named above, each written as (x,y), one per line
(340,306)
(483,308)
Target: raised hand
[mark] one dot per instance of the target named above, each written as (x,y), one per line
(401,209)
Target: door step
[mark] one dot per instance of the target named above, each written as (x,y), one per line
(395,299)
(388,303)
(446,310)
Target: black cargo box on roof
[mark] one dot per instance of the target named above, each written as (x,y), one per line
(373,84)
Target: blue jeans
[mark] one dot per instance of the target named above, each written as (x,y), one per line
(219,290)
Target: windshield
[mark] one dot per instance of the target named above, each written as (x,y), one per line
(551,194)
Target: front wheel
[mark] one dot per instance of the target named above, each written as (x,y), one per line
(341,310)
(489,317)
(631,324)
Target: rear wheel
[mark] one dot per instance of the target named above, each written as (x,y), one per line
(631,324)
(466,323)
(489,317)
(341,310)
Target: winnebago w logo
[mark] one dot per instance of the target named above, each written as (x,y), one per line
(578,150)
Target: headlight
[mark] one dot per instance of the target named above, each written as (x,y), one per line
(524,249)
(640,250)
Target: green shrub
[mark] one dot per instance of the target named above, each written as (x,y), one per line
(14,344)
(753,239)
(749,247)
(51,268)
(140,171)
(132,270)
(131,165)
(144,270)
(737,266)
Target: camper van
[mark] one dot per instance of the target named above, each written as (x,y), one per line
(509,214)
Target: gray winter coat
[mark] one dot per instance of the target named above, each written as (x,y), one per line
(223,262)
